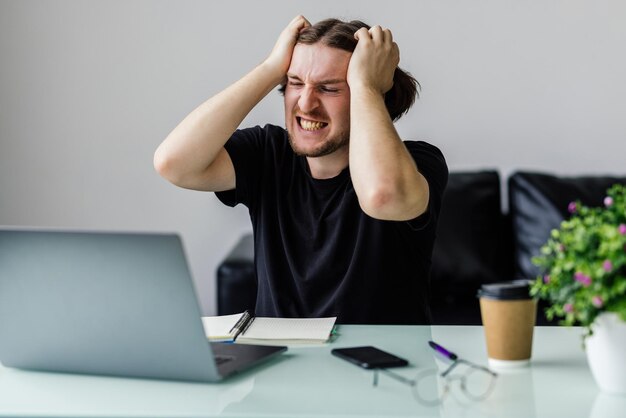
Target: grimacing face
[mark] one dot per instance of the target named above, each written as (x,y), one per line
(317,100)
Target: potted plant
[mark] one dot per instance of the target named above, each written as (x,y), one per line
(583,278)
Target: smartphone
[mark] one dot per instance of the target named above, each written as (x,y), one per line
(369,357)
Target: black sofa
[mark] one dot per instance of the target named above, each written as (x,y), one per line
(477,241)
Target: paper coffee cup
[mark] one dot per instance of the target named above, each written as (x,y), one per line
(508,314)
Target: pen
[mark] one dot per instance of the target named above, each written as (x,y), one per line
(247,325)
(447,354)
(241,322)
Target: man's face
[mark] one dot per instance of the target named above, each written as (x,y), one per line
(317,100)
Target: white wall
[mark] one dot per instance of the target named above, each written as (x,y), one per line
(88,89)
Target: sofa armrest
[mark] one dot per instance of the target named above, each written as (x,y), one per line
(236,279)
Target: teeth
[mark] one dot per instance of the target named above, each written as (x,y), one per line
(308,125)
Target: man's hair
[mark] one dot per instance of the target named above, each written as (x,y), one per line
(336,33)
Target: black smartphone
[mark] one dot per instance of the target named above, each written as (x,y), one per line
(369,357)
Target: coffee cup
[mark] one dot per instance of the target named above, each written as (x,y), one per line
(508,314)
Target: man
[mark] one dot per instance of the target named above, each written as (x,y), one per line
(344,213)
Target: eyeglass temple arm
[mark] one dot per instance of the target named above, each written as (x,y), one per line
(393,375)
(470,364)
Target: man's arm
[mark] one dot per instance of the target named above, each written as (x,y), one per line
(385,177)
(193,154)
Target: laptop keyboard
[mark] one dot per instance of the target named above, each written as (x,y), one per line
(221,359)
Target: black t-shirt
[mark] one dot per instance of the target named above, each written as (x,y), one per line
(317,253)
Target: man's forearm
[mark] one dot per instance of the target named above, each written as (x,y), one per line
(195,143)
(385,176)
(193,154)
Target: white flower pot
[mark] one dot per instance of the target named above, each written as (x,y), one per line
(606,353)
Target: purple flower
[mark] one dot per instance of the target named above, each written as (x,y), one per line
(546,279)
(607,266)
(622,229)
(568,307)
(571,208)
(597,301)
(582,278)
(561,248)
(608,201)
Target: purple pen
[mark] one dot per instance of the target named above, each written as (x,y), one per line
(447,354)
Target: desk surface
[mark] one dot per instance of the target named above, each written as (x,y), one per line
(309,381)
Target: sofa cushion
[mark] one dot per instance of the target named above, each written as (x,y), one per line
(472,246)
(538,203)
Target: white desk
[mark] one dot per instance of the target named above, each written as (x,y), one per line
(309,381)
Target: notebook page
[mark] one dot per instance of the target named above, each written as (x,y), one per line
(218,327)
(290,328)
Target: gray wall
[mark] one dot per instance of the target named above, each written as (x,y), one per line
(88,89)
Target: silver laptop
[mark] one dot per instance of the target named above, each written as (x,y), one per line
(119,304)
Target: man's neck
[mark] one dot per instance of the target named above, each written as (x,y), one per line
(330,165)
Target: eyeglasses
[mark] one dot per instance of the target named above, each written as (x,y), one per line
(431,387)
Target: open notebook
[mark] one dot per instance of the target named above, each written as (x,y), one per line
(247,329)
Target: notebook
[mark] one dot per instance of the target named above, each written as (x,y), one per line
(247,329)
(118,304)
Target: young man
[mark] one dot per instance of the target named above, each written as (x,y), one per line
(344,213)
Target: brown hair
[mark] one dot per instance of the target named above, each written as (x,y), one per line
(339,34)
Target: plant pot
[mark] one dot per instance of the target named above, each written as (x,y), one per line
(606,353)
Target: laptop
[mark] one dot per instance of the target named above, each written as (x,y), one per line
(116,304)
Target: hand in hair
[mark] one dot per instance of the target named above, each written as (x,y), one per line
(280,57)
(374,60)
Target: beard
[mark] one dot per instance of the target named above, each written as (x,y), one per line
(327,147)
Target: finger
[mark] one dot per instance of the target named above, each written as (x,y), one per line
(388,36)
(396,52)
(299,22)
(361,34)
(377,33)
(297,19)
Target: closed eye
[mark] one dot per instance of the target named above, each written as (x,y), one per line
(325,89)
